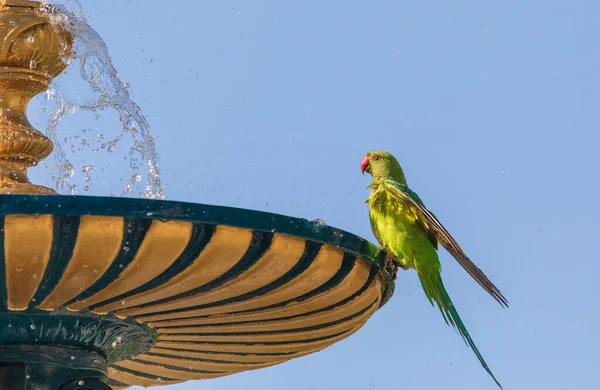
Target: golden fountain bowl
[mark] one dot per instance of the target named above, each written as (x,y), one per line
(194,291)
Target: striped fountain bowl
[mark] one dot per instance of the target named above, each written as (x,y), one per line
(164,292)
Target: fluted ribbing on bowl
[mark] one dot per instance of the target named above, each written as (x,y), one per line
(225,290)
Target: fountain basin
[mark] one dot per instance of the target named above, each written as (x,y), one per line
(188,291)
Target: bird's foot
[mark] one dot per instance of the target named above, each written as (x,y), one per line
(390,263)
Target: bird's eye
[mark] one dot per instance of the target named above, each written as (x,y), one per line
(375,157)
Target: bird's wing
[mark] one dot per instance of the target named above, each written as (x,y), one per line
(437,232)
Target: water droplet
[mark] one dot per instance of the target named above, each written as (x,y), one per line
(81,383)
(73,358)
(32,326)
(88,168)
(31,39)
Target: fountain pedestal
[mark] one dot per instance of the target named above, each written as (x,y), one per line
(48,367)
(98,292)
(30,57)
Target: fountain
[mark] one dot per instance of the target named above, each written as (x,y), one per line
(101,293)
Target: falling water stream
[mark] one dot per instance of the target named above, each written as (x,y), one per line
(88,111)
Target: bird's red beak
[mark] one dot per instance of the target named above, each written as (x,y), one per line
(364,166)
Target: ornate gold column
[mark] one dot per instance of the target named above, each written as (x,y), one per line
(29,60)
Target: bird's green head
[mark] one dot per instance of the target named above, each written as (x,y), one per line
(382,166)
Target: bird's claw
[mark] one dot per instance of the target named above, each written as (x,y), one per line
(389,263)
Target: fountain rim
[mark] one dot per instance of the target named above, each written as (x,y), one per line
(169,210)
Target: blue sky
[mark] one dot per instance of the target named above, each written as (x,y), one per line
(491,108)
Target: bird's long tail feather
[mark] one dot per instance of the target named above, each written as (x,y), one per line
(436,292)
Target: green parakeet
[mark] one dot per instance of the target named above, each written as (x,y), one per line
(411,233)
